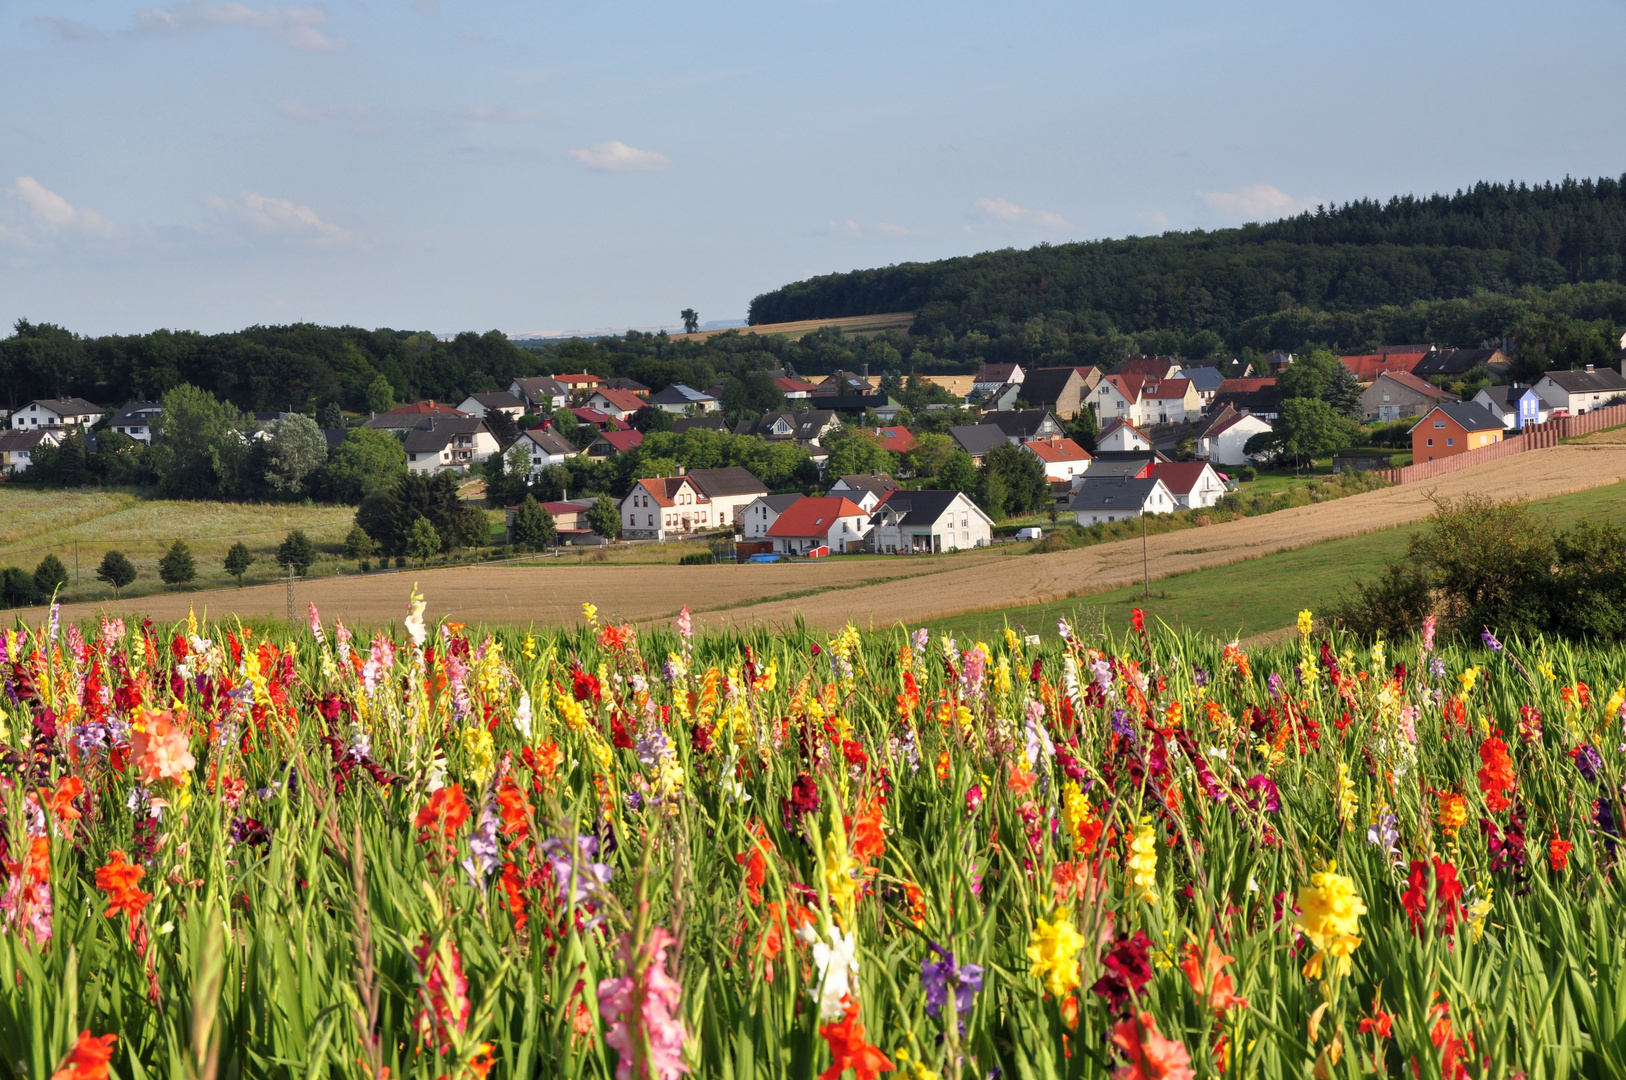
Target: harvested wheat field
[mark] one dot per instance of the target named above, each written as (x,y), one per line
(882,591)
(850,324)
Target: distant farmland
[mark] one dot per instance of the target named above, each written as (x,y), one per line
(850,324)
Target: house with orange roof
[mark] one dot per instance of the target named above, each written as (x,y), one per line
(1366,367)
(793,388)
(833,523)
(1194,484)
(1063,458)
(899,440)
(426,408)
(614,442)
(1170,401)
(1117,397)
(659,508)
(580,383)
(617,403)
(1152,368)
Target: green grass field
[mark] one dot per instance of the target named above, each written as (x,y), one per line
(1263,594)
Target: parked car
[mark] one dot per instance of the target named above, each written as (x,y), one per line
(1031,532)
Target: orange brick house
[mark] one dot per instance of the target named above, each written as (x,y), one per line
(1454,428)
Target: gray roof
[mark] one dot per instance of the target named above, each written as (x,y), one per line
(464,425)
(26,440)
(1506,397)
(1023,423)
(1043,386)
(879,483)
(74,406)
(627,384)
(498,399)
(137,414)
(1453,362)
(1114,464)
(550,441)
(733,480)
(918,507)
(978,439)
(1111,493)
(678,394)
(778,503)
(543,386)
(715,422)
(1205,379)
(804,425)
(1470,414)
(424,441)
(1598,381)
(334,436)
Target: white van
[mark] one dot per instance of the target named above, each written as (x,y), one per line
(1032,532)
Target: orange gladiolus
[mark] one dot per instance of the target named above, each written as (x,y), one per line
(1205,971)
(1151,1056)
(444,813)
(850,1050)
(118,880)
(88,1059)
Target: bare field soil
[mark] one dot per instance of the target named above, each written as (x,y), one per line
(880,592)
(851,324)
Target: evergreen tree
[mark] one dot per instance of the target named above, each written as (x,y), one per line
(177,567)
(296,551)
(50,575)
(423,542)
(604,518)
(116,570)
(534,528)
(238,560)
(1342,391)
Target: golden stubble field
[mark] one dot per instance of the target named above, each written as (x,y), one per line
(880,592)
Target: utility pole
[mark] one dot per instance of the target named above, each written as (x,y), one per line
(76,562)
(1145,557)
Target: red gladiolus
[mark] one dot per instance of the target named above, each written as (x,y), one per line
(1380,1023)
(444,813)
(444,993)
(1558,852)
(118,880)
(1447,896)
(850,1050)
(1151,1056)
(1496,778)
(513,806)
(88,1059)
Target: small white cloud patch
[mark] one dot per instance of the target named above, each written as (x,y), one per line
(269,216)
(617,156)
(298,27)
(1259,202)
(1009,213)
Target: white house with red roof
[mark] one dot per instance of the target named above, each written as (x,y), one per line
(1194,484)
(1117,397)
(1222,441)
(825,521)
(1063,458)
(1122,437)
(793,388)
(617,403)
(1170,401)
(580,383)
(659,508)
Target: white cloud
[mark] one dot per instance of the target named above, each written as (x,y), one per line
(1261,202)
(511,116)
(617,156)
(52,211)
(1009,213)
(35,219)
(295,26)
(266,216)
(65,29)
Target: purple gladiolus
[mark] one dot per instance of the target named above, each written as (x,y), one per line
(943,977)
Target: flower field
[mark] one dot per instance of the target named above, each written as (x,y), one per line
(643,853)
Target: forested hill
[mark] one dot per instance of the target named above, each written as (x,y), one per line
(1322,267)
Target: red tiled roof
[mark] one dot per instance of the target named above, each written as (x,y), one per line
(1154,367)
(899,440)
(1178,476)
(593,416)
(625,400)
(623,440)
(664,489)
(1419,384)
(1245,386)
(1368,366)
(1057,450)
(580,379)
(1117,422)
(1169,388)
(787,385)
(813,515)
(426,408)
(1129,386)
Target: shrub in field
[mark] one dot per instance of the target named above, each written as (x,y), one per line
(116,570)
(296,552)
(534,527)
(50,575)
(177,566)
(238,559)
(621,851)
(423,543)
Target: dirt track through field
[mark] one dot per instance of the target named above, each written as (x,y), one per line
(880,592)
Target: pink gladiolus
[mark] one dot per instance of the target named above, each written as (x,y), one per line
(642,1008)
(162,751)
(445,993)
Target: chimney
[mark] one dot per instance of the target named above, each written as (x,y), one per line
(1589,369)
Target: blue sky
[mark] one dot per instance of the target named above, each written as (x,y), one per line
(544,166)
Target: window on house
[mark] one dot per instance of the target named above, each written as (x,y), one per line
(1439,423)
(1450,442)
(1431,442)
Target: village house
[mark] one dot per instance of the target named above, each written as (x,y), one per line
(620,404)
(977,439)
(436,440)
(1060,391)
(1518,406)
(1256,396)
(1454,428)
(1102,499)
(546,447)
(1122,437)
(1194,484)
(758,517)
(17,448)
(1117,397)
(896,440)
(922,522)
(1456,363)
(1395,395)
(1170,401)
(830,522)
(714,422)
(484,404)
(1206,381)
(1581,391)
(630,385)
(1366,367)
(569,520)
(868,491)
(1020,425)
(614,441)
(543,393)
(56,413)
(808,426)
(681,400)
(417,408)
(729,490)
(599,421)
(1223,440)
(1063,458)
(579,384)
(843,384)
(991,377)
(793,388)
(660,508)
(1151,368)
(136,420)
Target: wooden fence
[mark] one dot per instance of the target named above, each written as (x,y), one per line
(1535,437)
